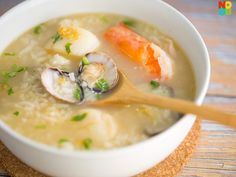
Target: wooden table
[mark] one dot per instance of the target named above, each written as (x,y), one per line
(216,153)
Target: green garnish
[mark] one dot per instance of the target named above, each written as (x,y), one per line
(79,117)
(154,84)
(87,143)
(11,74)
(62,140)
(56,37)
(129,22)
(20,69)
(77,93)
(102,85)
(14,70)
(67,47)
(10,91)
(85,60)
(10,54)
(38,29)
(16,113)
(104,19)
(40,126)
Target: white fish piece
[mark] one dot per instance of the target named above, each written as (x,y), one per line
(58,61)
(86,43)
(80,40)
(99,125)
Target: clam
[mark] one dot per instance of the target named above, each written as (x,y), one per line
(98,72)
(62,85)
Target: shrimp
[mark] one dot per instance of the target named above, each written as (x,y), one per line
(139,49)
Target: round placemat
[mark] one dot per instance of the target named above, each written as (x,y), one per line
(169,167)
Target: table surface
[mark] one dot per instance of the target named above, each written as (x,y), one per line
(216,153)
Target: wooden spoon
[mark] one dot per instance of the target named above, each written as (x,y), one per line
(126,93)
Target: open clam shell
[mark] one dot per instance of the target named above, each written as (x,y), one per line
(99,74)
(62,85)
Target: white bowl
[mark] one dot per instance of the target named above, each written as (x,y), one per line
(119,162)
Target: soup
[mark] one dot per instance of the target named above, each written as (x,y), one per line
(49,71)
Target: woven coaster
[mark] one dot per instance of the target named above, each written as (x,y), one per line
(169,167)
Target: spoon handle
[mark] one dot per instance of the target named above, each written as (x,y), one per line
(182,106)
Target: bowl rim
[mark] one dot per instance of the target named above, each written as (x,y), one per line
(120,150)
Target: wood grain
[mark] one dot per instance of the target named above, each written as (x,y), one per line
(216,152)
(220,36)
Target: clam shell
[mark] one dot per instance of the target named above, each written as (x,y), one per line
(61,85)
(110,73)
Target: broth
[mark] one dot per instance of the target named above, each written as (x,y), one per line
(34,113)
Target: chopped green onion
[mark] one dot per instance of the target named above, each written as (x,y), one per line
(9,54)
(56,37)
(14,70)
(77,93)
(16,113)
(40,126)
(87,143)
(67,47)
(18,68)
(79,117)
(62,140)
(38,29)
(85,60)
(104,19)
(154,84)
(102,85)
(10,91)
(129,22)
(11,74)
